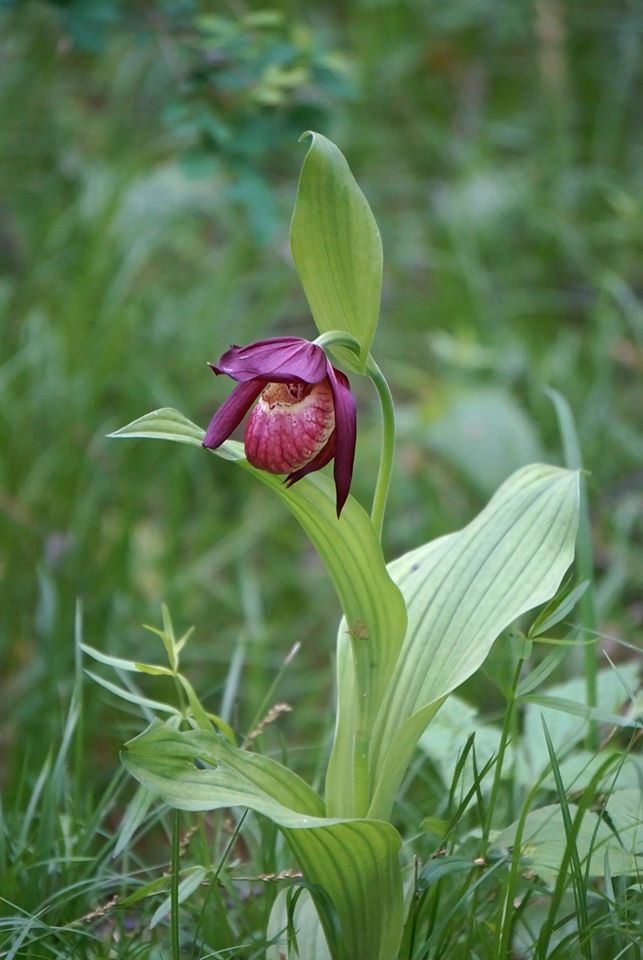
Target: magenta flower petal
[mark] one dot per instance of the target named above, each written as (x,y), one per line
(279,360)
(346,434)
(231,413)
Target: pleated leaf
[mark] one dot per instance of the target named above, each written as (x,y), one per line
(356,863)
(337,248)
(461,591)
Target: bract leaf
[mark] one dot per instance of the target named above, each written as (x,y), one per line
(163,424)
(355,862)
(337,248)
(461,591)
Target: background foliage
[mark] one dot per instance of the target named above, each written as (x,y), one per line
(147,178)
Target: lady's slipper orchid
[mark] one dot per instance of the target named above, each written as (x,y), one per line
(304,415)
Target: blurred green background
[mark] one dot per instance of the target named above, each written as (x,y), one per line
(148,172)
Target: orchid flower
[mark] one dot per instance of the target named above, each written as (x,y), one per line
(304,415)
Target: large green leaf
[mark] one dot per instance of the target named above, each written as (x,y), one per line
(374,611)
(337,248)
(355,862)
(372,604)
(461,591)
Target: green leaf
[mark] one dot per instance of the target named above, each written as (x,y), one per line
(568,724)
(582,710)
(136,698)
(485,434)
(134,815)
(132,666)
(578,769)
(557,610)
(337,248)
(543,670)
(355,862)
(163,424)
(461,592)
(544,840)
(373,606)
(192,880)
(445,738)
(311,943)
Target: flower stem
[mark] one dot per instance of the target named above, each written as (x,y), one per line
(383,481)
(337,338)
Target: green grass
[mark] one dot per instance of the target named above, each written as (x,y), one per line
(504,171)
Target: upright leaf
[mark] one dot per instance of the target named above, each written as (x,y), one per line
(461,591)
(337,248)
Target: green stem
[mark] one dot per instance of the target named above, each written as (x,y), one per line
(584,553)
(502,749)
(337,338)
(174,887)
(383,482)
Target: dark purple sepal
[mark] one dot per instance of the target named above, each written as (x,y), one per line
(346,434)
(278,360)
(231,413)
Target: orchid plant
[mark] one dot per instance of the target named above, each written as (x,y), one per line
(412,631)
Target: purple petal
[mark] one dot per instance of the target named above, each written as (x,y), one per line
(324,456)
(279,360)
(346,430)
(231,413)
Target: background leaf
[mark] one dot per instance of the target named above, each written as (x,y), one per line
(565,728)
(337,248)
(311,942)
(544,838)
(486,435)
